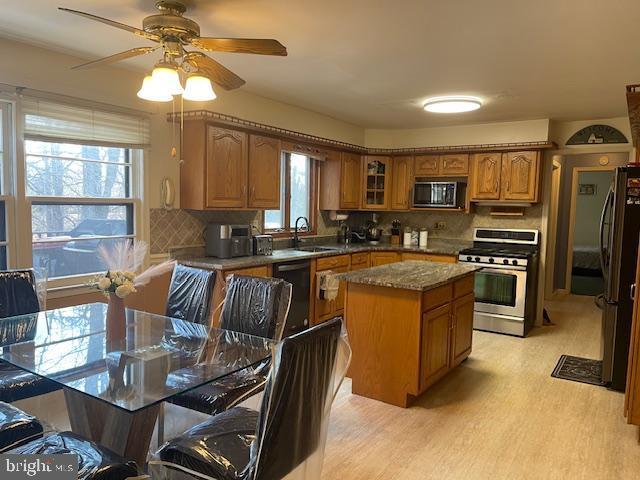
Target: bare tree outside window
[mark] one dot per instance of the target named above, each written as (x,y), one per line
(80,200)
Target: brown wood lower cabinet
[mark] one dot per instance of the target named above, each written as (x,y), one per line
(436,331)
(404,341)
(429,257)
(632,392)
(327,309)
(383,258)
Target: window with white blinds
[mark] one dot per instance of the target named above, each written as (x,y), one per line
(50,121)
(80,177)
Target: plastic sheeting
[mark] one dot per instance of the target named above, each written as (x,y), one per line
(18,296)
(17,293)
(94,462)
(190,294)
(286,438)
(256,306)
(228,391)
(17,427)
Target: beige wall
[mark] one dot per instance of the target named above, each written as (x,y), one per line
(504,132)
(33,67)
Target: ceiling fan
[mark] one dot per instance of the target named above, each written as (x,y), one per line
(174,32)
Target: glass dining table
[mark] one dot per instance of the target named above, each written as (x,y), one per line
(115,377)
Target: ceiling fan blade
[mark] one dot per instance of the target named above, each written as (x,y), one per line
(259,46)
(134,52)
(122,26)
(216,72)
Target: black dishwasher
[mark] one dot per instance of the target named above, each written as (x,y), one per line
(297,274)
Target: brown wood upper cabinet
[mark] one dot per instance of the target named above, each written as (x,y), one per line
(508,177)
(401,183)
(486,176)
(520,176)
(427,165)
(452,165)
(341,181)
(228,169)
(264,172)
(350,180)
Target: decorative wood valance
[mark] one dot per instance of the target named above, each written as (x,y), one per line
(633,104)
(312,140)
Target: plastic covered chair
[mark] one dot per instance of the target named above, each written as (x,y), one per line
(286,438)
(190,294)
(94,462)
(18,296)
(254,306)
(17,427)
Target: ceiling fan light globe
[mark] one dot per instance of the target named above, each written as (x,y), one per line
(167,78)
(198,89)
(152,92)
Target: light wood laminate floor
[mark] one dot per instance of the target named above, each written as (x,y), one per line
(500,415)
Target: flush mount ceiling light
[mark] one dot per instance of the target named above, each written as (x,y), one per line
(452,104)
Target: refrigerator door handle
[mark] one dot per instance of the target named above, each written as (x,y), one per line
(603,217)
(632,291)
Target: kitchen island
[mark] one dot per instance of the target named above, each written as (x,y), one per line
(409,324)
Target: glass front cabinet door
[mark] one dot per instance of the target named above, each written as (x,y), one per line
(377,183)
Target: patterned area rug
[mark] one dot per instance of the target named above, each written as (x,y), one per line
(579,369)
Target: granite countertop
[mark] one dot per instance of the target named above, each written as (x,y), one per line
(410,275)
(439,246)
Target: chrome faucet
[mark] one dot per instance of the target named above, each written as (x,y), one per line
(296,238)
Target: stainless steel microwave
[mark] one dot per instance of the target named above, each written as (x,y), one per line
(439,194)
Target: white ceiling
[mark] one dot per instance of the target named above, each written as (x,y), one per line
(373,62)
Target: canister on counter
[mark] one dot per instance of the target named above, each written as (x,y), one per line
(406,240)
(424,237)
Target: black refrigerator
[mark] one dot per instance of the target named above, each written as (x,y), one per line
(619,235)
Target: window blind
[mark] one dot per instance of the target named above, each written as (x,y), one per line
(55,122)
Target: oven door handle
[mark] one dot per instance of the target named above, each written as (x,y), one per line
(499,269)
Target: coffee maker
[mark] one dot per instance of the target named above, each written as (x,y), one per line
(228,241)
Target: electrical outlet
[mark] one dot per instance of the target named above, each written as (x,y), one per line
(440,225)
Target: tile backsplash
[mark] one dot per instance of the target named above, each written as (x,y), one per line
(171,229)
(185,228)
(457,225)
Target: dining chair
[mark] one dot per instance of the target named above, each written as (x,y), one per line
(253,306)
(17,427)
(286,438)
(190,293)
(18,296)
(94,462)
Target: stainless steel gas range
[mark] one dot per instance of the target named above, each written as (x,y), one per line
(506,288)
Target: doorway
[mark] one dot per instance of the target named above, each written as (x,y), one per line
(590,188)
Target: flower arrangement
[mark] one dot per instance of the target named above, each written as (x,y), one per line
(118,282)
(123,260)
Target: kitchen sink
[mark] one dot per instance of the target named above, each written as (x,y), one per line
(316,249)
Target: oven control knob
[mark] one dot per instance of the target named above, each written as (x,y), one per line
(477,259)
(491,260)
(514,263)
(469,259)
(505,261)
